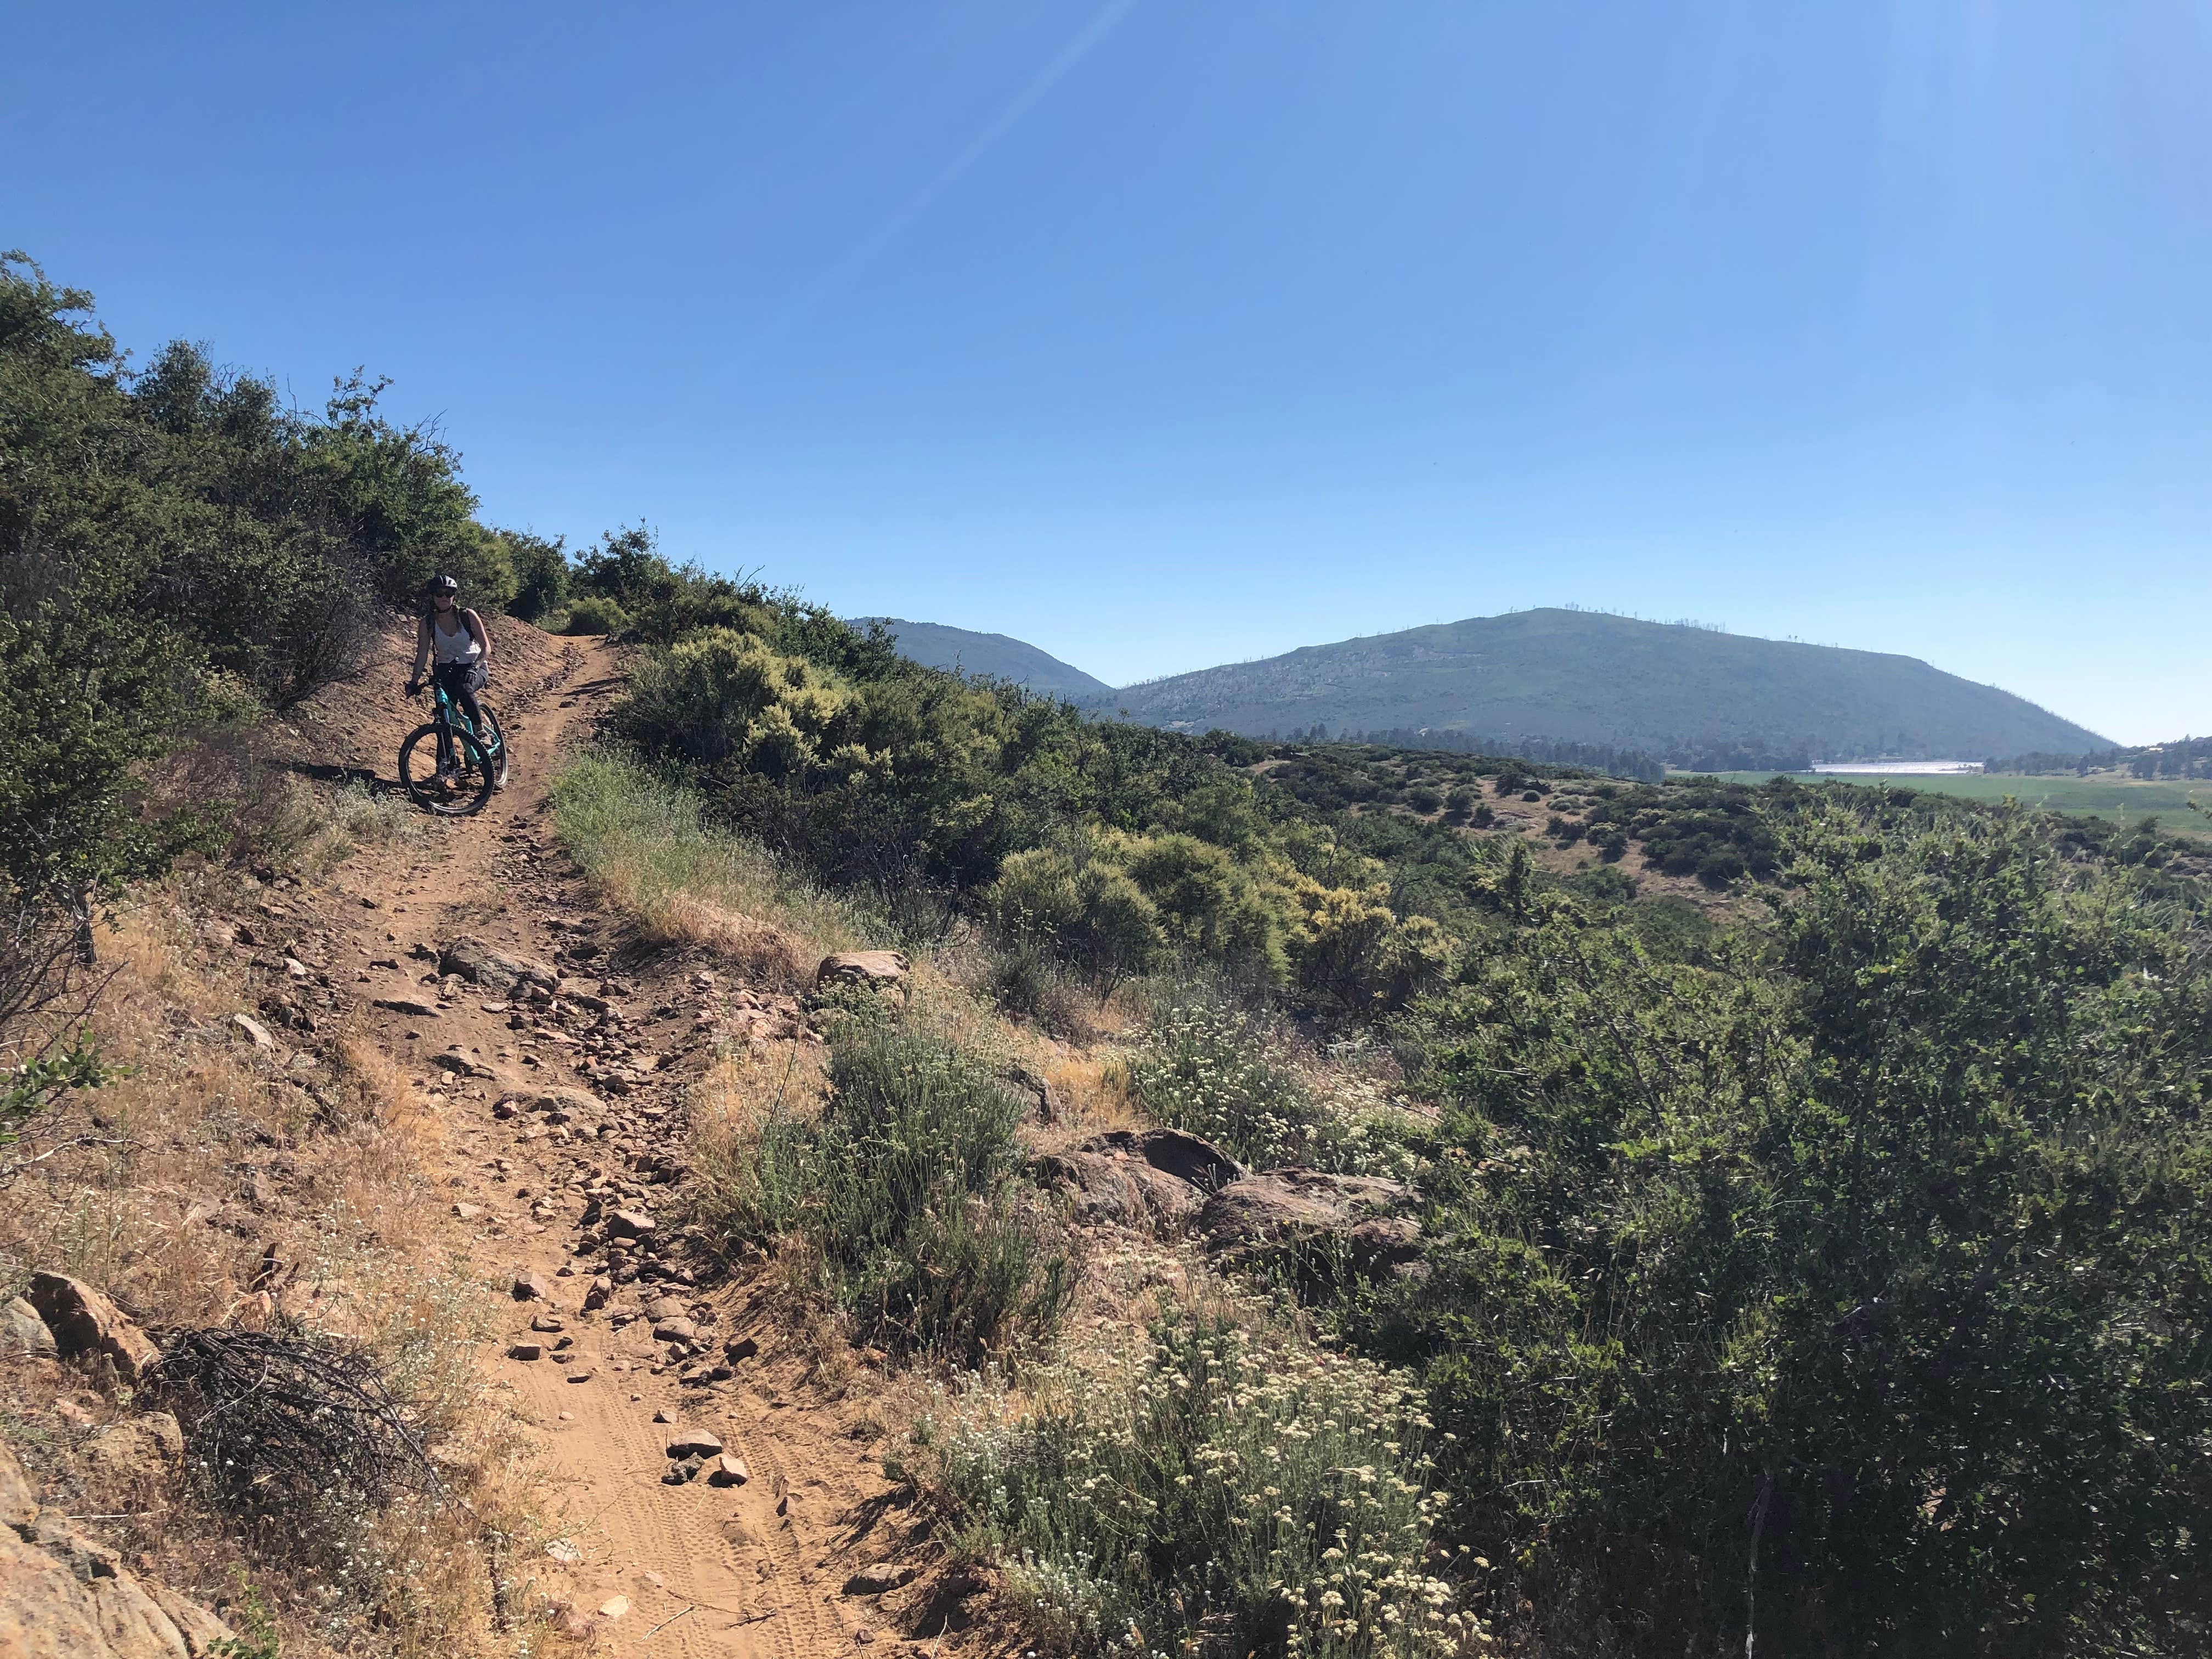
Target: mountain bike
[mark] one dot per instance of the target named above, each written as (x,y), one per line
(455,775)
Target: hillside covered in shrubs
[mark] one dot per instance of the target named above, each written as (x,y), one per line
(1836,1272)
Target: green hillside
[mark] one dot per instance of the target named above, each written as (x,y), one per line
(1583,676)
(935,645)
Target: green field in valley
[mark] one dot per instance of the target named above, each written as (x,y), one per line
(2101,796)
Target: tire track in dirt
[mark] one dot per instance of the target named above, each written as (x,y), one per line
(705,1570)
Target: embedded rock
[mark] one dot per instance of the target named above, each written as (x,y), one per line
(19,1501)
(1327,1218)
(84,1322)
(1173,1152)
(878,1581)
(723,1470)
(871,968)
(1051,1109)
(64,1596)
(1115,1188)
(22,1330)
(254,1032)
(146,1451)
(481,964)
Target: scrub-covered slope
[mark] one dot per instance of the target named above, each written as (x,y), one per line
(1587,678)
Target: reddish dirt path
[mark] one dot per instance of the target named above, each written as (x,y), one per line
(753,1570)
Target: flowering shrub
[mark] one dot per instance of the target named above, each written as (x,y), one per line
(1212,1490)
(1209,1070)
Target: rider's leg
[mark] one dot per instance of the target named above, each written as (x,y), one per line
(459,680)
(456,682)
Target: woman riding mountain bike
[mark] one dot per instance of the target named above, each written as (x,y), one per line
(452,765)
(457,637)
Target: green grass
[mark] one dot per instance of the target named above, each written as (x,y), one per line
(2104,797)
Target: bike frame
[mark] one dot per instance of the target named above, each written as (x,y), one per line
(448,717)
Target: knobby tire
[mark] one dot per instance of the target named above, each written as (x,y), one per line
(467,793)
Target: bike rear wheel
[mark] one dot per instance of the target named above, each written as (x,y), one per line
(452,791)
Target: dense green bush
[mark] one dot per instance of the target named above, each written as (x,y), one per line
(590,613)
(541,575)
(1852,1290)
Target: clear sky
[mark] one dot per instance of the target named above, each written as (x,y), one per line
(1166,334)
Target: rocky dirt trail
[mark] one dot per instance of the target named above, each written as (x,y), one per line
(478,963)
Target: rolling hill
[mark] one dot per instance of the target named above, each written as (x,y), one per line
(1585,676)
(996,654)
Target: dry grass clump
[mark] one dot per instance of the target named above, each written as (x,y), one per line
(647,848)
(1221,1487)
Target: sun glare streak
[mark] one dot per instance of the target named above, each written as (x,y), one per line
(926,195)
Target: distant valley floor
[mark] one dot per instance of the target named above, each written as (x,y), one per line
(2103,796)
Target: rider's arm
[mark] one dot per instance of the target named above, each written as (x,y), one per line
(421,647)
(483,636)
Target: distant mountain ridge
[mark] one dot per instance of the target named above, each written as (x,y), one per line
(1000,655)
(1588,677)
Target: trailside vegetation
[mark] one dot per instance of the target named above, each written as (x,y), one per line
(1849,1288)
(1834,1277)
(183,553)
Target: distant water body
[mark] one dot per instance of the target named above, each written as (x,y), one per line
(1899,769)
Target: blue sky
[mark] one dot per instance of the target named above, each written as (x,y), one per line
(1166,335)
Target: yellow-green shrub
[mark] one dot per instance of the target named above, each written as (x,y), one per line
(723,695)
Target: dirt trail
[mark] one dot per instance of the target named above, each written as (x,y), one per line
(756,1569)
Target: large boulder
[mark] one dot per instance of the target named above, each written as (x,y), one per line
(483,965)
(1106,1186)
(1138,1177)
(84,1322)
(64,1596)
(870,967)
(1323,1222)
(22,1330)
(1172,1151)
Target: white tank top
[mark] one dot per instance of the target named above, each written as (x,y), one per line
(455,648)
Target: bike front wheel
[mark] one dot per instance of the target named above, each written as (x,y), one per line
(452,791)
